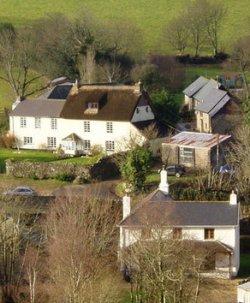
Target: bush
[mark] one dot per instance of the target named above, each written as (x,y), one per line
(8,141)
(187,59)
(105,169)
(136,166)
(96,150)
(65,177)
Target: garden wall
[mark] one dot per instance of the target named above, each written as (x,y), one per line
(105,169)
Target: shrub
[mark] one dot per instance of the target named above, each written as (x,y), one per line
(136,166)
(96,150)
(65,177)
(8,141)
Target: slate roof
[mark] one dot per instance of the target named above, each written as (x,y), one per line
(157,209)
(116,102)
(58,92)
(195,139)
(38,108)
(194,87)
(209,94)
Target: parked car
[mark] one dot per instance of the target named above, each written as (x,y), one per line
(175,170)
(21,191)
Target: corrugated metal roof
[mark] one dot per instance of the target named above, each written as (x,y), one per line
(194,87)
(194,139)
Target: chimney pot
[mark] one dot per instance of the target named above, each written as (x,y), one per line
(164,186)
(233,198)
(138,87)
(126,206)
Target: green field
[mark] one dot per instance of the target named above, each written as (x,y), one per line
(149,15)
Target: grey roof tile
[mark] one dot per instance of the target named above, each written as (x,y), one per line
(194,87)
(39,108)
(177,213)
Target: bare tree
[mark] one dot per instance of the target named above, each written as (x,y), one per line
(196,25)
(164,269)
(213,14)
(241,55)
(17,56)
(239,157)
(81,235)
(177,33)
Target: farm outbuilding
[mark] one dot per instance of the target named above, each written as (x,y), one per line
(193,149)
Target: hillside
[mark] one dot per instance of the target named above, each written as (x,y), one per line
(149,15)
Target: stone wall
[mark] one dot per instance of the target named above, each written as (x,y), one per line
(202,157)
(44,170)
(170,155)
(105,169)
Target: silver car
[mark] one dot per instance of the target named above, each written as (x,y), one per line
(21,191)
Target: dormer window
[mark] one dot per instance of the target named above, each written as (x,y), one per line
(137,110)
(93,105)
(92,108)
(147,109)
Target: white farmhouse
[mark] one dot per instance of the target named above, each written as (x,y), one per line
(77,118)
(213,226)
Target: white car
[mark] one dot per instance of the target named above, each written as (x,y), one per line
(21,191)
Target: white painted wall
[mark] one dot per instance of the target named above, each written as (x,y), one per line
(227,235)
(243,296)
(121,135)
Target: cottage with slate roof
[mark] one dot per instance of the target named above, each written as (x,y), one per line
(210,102)
(213,226)
(76,118)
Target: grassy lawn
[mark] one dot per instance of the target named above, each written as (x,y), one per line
(84,160)
(41,156)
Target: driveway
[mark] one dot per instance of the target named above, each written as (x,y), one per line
(99,190)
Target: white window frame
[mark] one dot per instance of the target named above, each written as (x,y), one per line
(51,142)
(109,127)
(53,123)
(37,122)
(110,146)
(86,145)
(23,122)
(86,126)
(27,140)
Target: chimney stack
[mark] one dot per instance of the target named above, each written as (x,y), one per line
(233,198)
(14,104)
(138,87)
(164,186)
(126,206)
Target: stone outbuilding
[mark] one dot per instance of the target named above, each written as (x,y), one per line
(193,149)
